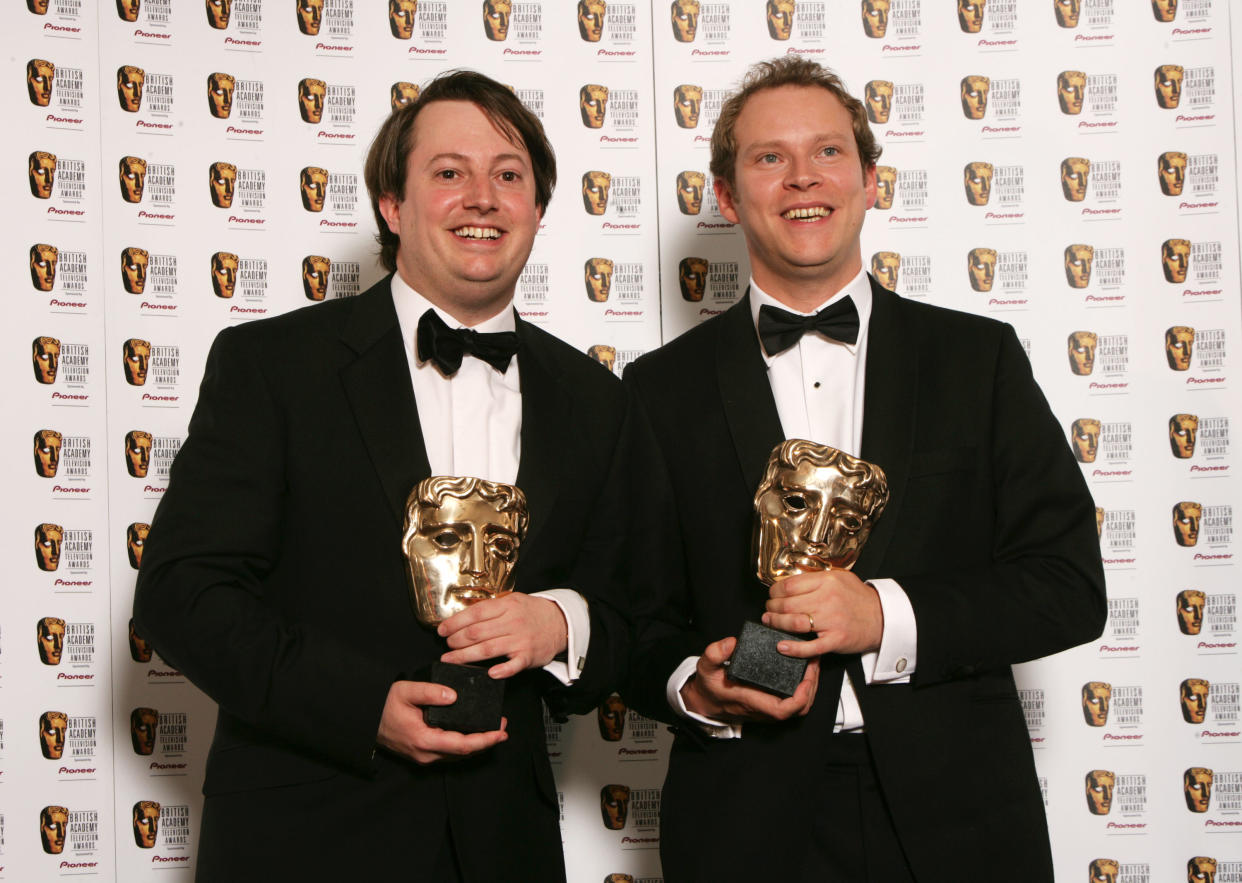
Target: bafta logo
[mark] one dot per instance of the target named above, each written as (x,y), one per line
(1164,10)
(687,100)
(126,9)
(1085,437)
(310,16)
(690,186)
(611,719)
(135,541)
(1197,788)
(1186,517)
(496,15)
(981,268)
(1075,171)
(54,820)
(222,183)
(43,260)
(1179,345)
(52,726)
(139,649)
(134,262)
(401,18)
(137,453)
(591,19)
(314,188)
(875,17)
(1200,868)
(977,178)
(1168,82)
(1190,604)
(1103,870)
(1175,259)
(692,278)
(41,170)
(132,174)
(47,542)
(1099,786)
(47,444)
(597,274)
(39,77)
(401,94)
(1183,428)
(143,729)
(51,637)
(975,90)
(1067,12)
(1193,697)
(1081,347)
(614,805)
(311,93)
(129,81)
(218,12)
(316,270)
(45,355)
(220,88)
(146,819)
(685,18)
(885,187)
(780,15)
(223,273)
(1095,698)
(1071,85)
(136,360)
(595,186)
(885,267)
(970,15)
(593,104)
(1078,261)
(1171,172)
(878,100)
(604,354)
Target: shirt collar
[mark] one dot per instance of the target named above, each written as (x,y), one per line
(411,305)
(859,288)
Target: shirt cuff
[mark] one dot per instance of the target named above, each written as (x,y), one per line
(578,624)
(676,681)
(894,662)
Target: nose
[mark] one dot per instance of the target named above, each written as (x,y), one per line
(481,194)
(802,175)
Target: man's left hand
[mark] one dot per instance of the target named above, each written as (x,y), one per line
(842,610)
(529,631)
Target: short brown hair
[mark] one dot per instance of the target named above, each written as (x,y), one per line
(786,70)
(386,163)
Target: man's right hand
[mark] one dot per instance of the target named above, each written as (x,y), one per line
(711,694)
(403,730)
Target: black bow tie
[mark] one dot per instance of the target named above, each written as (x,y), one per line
(446,346)
(780,329)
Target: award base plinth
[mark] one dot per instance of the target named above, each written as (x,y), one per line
(757,663)
(479,699)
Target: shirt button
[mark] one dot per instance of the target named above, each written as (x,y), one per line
(901,665)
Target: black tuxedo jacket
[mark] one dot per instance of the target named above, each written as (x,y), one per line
(990,531)
(273,577)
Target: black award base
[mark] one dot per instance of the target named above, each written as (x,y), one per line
(479,699)
(757,663)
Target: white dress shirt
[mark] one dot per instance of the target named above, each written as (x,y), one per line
(472,426)
(818,385)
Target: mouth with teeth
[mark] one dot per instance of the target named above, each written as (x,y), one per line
(477,233)
(810,213)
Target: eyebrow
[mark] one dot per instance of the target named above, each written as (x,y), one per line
(461,157)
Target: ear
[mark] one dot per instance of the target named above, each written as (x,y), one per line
(869,185)
(391,210)
(725,199)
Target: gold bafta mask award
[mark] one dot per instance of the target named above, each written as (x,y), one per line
(814,509)
(461,541)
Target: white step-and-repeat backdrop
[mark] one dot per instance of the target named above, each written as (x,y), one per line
(1064,165)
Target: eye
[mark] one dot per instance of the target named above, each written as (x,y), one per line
(446,539)
(513,177)
(852,523)
(446,174)
(795,502)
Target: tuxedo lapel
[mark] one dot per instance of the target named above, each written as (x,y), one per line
(746,394)
(377,385)
(889,413)
(547,429)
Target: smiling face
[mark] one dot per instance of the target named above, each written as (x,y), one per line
(977,178)
(1067,12)
(1186,518)
(1071,85)
(1175,259)
(310,99)
(1075,171)
(970,15)
(401,18)
(45,354)
(687,100)
(975,96)
(220,94)
(1193,695)
(981,268)
(39,76)
(799,191)
(47,444)
(51,635)
(314,186)
(134,263)
(47,541)
(593,104)
(597,274)
(129,80)
(316,271)
(595,187)
(1190,611)
(223,273)
(137,452)
(685,17)
(878,99)
(1085,436)
(132,172)
(1171,172)
(1168,79)
(43,260)
(310,16)
(1082,352)
(591,19)
(461,542)
(42,174)
(875,17)
(496,14)
(1099,785)
(1078,261)
(1183,428)
(1179,346)
(136,358)
(690,186)
(222,181)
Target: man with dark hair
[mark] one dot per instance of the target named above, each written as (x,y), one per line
(984,556)
(273,574)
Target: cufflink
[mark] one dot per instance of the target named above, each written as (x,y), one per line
(901,664)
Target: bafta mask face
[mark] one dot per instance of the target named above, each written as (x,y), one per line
(885,266)
(1201,868)
(461,541)
(1095,698)
(1085,436)
(1164,10)
(129,80)
(135,540)
(692,277)
(1190,611)
(146,820)
(134,262)
(314,183)
(1078,260)
(814,510)
(1179,345)
(591,19)
(1183,428)
(52,726)
(593,103)
(975,96)
(1102,870)
(1175,259)
(614,805)
(310,99)
(780,15)
(38,7)
(53,821)
(981,268)
(690,192)
(878,96)
(220,94)
(1075,171)
(143,727)
(619,878)
(401,18)
(970,15)
(218,12)
(310,16)
(315,274)
(685,16)
(139,649)
(1099,786)
(401,94)
(977,177)
(598,275)
(1197,788)
(604,354)
(223,273)
(1071,85)
(51,632)
(874,17)
(1067,12)
(126,9)
(39,76)
(1169,85)
(132,172)
(687,100)
(1194,700)
(137,452)
(222,181)
(595,192)
(42,173)
(1186,518)
(1171,170)
(47,452)
(47,540)
(611,719)
(1099,522)
(43,260)
(885,187)
(496,15)
(45,353)
(137,359)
